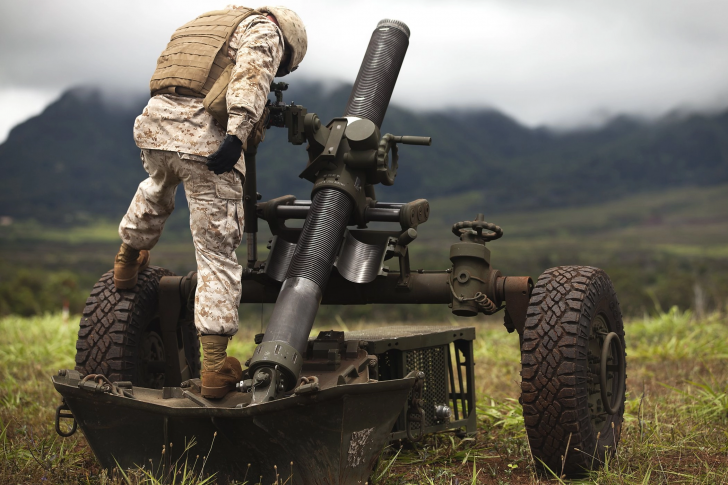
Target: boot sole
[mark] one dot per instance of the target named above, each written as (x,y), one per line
(215,392)
(126,284)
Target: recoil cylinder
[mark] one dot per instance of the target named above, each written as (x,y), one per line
(322,233)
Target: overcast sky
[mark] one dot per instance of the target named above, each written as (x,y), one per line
(555,62)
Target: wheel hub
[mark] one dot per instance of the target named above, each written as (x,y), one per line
(606,373)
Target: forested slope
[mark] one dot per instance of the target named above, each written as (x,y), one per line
(77,160)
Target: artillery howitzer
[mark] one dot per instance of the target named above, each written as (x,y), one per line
(330,404)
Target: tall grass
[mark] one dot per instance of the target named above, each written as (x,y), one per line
(676,419)
(676,335)
(676,422)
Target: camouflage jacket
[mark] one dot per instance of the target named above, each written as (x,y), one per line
(181,124)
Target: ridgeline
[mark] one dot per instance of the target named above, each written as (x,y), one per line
(77,160)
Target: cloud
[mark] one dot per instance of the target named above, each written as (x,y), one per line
(542,61)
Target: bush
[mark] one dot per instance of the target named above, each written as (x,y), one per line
(34,292)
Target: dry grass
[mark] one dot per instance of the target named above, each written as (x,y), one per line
(676,421)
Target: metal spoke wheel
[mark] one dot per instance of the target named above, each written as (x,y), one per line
(573,370)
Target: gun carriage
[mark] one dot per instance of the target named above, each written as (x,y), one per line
(329,404)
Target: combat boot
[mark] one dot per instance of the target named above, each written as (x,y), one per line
(129,262)
(220,373)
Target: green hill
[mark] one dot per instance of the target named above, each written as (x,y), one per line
(660,249)
(77,160)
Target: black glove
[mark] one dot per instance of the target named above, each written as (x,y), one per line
(226,156)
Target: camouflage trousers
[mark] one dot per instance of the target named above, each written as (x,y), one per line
(216,222)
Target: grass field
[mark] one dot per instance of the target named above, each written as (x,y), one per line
(662,249)
(676,428)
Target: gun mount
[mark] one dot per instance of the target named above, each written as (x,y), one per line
(347,157)
(342,395)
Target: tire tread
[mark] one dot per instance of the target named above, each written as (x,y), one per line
(553,360)
(111,320)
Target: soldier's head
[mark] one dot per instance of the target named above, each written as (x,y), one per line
(294,36)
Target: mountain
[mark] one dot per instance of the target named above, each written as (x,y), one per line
(77,159)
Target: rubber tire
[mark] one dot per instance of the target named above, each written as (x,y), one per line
(563,306)
(114,325)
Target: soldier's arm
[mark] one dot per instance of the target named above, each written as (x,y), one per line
(256,64)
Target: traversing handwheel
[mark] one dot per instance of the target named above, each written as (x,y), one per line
(477,227)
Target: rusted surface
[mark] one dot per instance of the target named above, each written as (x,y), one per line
(357,446)
(516,292)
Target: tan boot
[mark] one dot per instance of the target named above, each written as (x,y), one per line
(220,373)
(129,262)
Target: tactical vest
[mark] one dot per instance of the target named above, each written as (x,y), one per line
(195,62)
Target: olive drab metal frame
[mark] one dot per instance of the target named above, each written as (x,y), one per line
(470,286)
(445,356)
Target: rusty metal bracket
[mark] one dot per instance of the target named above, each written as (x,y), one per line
(516,291)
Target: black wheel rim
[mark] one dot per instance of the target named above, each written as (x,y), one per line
(606,391)
(611,366)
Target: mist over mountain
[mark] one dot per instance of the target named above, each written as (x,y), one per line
(77,159)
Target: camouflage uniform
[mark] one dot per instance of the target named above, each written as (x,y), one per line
(175,134)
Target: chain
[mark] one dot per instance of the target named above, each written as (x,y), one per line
(103,384)
(415,411)
(484,303)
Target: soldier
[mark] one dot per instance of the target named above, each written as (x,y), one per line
(208,100)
